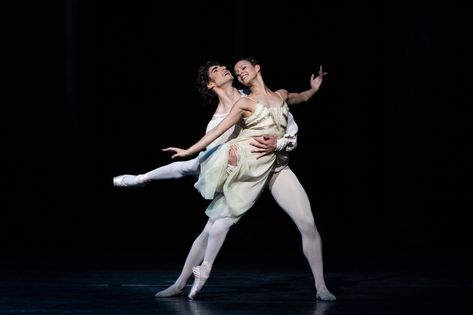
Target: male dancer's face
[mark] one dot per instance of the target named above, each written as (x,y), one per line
(218,76)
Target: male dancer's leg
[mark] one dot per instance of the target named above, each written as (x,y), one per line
(292,198)
(169,171)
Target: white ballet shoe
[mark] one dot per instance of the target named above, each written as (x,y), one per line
(169,292)
(325,295)
(128,181)
(201,274)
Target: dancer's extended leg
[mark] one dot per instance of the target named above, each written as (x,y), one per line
(169,171)
(292,198)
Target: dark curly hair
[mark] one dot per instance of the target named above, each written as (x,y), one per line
(202,79)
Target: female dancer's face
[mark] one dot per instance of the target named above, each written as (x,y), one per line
(244,71)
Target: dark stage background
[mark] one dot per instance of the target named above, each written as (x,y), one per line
(384,148)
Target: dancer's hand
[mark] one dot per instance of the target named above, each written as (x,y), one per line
(264,145)
(233,155)
(316,82)
(178,152)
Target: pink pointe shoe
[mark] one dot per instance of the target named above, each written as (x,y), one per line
(201,274)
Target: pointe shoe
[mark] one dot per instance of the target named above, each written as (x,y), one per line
(169,292)
(201,274)
(127,181)
(325,295)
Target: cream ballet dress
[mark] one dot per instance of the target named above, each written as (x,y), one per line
(234,191)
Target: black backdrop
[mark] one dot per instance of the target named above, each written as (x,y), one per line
(384,148)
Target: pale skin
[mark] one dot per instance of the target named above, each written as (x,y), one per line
(283,185)
(300,213)
(243,107)
(297,206)
(267,144)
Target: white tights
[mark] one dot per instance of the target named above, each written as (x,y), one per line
(170,171)
(205,247)
(292,198)
(288,193)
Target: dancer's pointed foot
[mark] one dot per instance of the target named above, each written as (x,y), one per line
(128,181)
(169,292)
(201,274)
(325,295)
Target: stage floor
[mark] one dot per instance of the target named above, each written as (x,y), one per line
(268,285)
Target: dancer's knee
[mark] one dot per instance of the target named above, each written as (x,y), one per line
(221,227)
(308,229)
